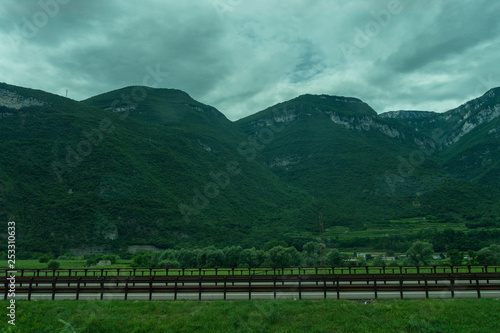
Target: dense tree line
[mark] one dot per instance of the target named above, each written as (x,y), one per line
(313,254)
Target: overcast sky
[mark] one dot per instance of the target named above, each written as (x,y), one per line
(242,56)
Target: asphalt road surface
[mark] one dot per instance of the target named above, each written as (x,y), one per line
(109,295)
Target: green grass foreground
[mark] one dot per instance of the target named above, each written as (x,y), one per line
(434,315)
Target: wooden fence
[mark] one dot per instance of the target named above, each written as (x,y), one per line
(253,271)
(30,282)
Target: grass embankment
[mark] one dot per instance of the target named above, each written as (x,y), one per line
(434,315)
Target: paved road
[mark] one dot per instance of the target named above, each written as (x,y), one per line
(108,295)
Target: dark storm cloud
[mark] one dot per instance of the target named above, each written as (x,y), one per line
(242,56)
(458,27)
(311,62)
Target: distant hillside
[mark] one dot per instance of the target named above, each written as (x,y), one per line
(360,167)
(144,166)
(165,171)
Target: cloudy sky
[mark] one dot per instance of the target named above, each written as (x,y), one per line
(242,56)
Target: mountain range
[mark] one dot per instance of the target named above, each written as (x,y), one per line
(145,166)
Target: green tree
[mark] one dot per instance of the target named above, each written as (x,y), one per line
(379,261)
(44,259)
(361,261)
(252,258)
(472,257)
(420,253)
(455,256)
(92,261)
(110,257)
(232,255)
(187,258)
(280,256)
(311,253)
(142,259)
(163,257)
(53,264)
(274,243)
(293,256)
(215,258)
(335,258)
(168,254)
(489,255)
(202,256)
(168,264)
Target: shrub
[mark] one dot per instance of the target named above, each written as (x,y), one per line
(168,264)
(53,264)
(92,261)
(393,263)
(379,261)
(142,259)
(110,257)
(44,259)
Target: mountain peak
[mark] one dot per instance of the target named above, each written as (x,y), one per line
(309,105)
(489,99)
(494,91)
(155,104)
(139,93)
(407,114)
(329,98)
(348,106)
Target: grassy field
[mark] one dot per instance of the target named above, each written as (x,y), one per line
(66,263)
(434,315)
(392,227)
(79,268)
(34,264)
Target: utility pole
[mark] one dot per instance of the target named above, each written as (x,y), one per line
(321,241)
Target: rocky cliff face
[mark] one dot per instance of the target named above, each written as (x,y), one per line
(472,114)
(403,114)
(422,125)
(349,113)
(15,101)
(446,129)
(366,123)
